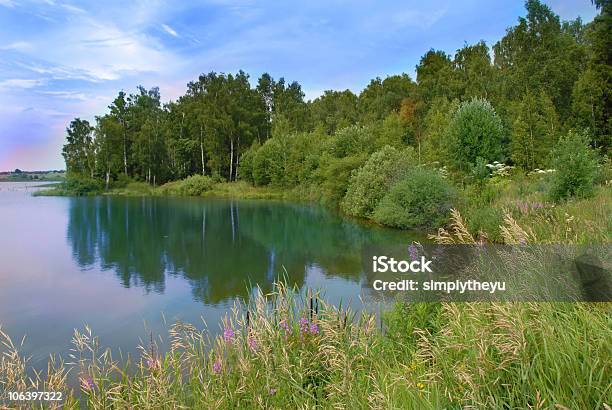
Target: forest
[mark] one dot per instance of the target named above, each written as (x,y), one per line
(523,105)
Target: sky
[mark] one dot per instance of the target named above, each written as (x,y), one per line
(61,59)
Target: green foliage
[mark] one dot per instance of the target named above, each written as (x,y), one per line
(540,53)
(245,171)
(422,199)
(534,131)
(195,185)
(436,129)
(82,185)
(302,159)
(404,320)
(351,141)
(78,152)
(545,75)
(371,182)
(122,181)
(268,163)
(480,171)
(589,108)
(576,167)
(334,110)
(381,97)
(485,220)
(392,132)
(333,176)
(475,131)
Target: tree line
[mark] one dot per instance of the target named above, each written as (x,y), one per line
(542,79)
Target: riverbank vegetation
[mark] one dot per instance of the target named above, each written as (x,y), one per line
(32,176)
(288,349)
(516,111)
(507,144)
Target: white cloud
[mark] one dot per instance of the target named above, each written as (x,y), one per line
(17,83)
(72,9)
(68,95)
(417,18)
(169,30)
(7,3)
(17,46)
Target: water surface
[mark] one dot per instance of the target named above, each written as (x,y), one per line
(118,264)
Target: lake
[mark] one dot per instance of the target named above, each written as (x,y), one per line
(123,264)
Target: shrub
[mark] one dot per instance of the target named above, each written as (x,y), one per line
(350,141)
(195,185)
(82,185)
(122,181)
(475,130)
(334,174)
(245,169)
(302,158)
(371,182)
(576,168)
(423,198)
(268,163)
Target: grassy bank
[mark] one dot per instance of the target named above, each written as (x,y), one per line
(237,190)
(525,197)
(284,355)
(291,350)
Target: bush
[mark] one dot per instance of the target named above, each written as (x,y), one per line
(122,181)
(350,141)
(421,199)
(576,168)
(475,130)
(268,163)
(82,185)
(333,175)
(195,185)
(245,168)
(371,182)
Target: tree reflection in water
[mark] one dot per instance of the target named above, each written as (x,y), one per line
(218,246)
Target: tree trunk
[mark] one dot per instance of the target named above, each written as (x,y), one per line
(237,158)
(124,148)
(202,150)
(107,178)
(231,159)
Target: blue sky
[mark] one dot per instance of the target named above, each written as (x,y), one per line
(62,59)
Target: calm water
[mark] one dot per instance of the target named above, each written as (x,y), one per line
(119,264)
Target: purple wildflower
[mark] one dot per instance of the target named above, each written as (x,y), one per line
(314,329)
(217,366)
(272,391)
(153,363)
(303,325)
(252,343)
(228,334)
(413,251)
(87,382)
(283,325)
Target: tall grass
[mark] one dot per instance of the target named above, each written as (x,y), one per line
(287,350)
